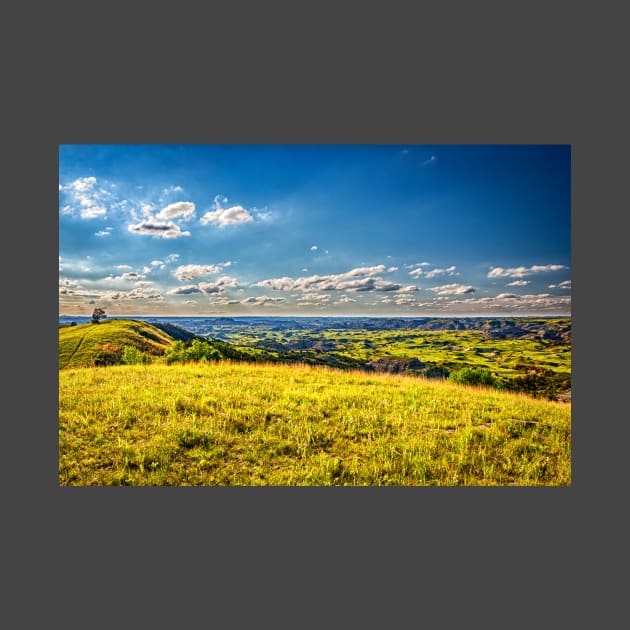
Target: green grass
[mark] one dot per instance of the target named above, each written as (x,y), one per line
(87,345)
(245,424)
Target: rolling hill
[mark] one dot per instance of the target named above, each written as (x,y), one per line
(89,345)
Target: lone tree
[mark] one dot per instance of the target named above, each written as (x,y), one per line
(98,313)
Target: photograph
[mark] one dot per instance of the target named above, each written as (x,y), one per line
(314,315)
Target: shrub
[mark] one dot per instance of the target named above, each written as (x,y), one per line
(197,350)
(474,376)
(132,356)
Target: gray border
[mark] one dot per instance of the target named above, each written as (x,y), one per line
(143,75)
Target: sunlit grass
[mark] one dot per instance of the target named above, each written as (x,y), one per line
(245,424)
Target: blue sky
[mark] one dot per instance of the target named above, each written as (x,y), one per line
(398,230)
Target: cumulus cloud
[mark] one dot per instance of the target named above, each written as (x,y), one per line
(344,299)
(314,248)
(314,297)
(504,296)
(368,284)
(144,294)
(162,229)
(185,273)
(518,283)
(219,286)
(392,269)
(227,216)
(563,285)
(156,263)
(184,209)
(91,212)
(104,232)
(405,300)
(130,275)
(171,258)
(261,300)
(520,272)
(452,289)
(123,266)
(82,185)
(83,191)
(358,279)
(409,288)
(185,290)
(450,271)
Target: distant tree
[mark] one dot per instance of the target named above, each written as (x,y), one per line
(98,313)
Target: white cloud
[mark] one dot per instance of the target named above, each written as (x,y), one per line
(451,271)
(227,216)
(341,281)
(505,296)
(89,198)
(368,284)
(184,209)
(261,300)
(520,272)
(129,275)
(158,228)
(123,266)
(405,300)
(314,248)
(344,299)
(190,302)
(392,269)
(563,285)
(172,189)
(416,273)
(219,285)
(408,288)
(104,232)
(314,297)
(452,289)
(429,161)
(171,258)
(185,290)
(518,283)
(156,263)
(91,212)
(189,272)
(82,185)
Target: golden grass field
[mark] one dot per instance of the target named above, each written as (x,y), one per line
(246,424)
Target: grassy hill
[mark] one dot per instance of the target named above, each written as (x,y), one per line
(87,345)
(231,423)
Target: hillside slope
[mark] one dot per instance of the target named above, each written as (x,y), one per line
(244,424)
(88,345)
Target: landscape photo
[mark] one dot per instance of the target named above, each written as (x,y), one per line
(314,315)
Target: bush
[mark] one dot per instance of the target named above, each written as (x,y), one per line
(132,356)
(197,350)
(474,376)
